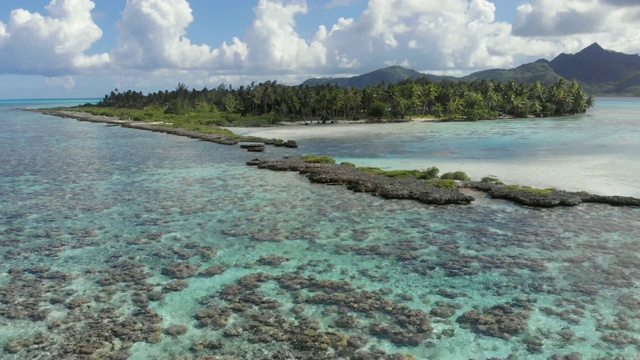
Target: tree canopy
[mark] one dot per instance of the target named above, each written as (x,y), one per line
(447,99)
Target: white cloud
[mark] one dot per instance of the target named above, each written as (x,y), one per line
(54,44)
(464,34)
(3,34)
(233,55)
(274,43)
(153,35)
(426,33)
(573,25)
(65,82)
(453,36)
(558,18)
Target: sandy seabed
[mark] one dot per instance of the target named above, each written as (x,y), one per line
(300,131)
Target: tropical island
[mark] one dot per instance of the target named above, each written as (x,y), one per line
(392,94)
(201,113)
(269,103)
(563,86)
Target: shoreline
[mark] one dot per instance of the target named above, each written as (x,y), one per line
(326,173)
(158,127)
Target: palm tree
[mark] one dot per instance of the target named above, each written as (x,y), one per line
(492,100)
(454,107)
(518,106)
(429,95)
(293,103)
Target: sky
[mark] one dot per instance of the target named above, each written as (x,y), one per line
(86,48)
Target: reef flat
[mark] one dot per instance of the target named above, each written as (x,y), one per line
(119,244)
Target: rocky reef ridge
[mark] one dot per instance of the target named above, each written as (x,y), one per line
(417,189)
(359,181)
(551,198)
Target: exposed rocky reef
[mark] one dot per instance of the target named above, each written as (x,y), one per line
(549,198)
(254,147)
(417,189)
(359,181)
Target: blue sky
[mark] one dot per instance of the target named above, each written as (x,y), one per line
(86,48)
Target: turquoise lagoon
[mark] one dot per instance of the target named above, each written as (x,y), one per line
(105,233)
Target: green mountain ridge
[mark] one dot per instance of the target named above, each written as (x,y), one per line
(389,75)
(527,73)
(599,71)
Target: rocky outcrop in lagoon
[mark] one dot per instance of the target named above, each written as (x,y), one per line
(359,181)
(549,198)
(418,189)
(255,147)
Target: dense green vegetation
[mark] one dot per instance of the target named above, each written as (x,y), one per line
(442,183)
(270,102)
(491,179)
(447,180)
(494,180)
(429,173)
(456,175)
(318,159)
(530,189)
(194,121)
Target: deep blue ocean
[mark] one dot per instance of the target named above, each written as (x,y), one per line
(118,243)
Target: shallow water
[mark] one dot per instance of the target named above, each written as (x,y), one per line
(94,221)
(595,152)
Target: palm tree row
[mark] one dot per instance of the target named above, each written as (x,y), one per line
(412,97)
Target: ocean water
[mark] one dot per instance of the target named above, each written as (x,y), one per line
(121,243)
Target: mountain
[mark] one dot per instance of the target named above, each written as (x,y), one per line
(390,75)
(604,71)
(527,73)
(599,71)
